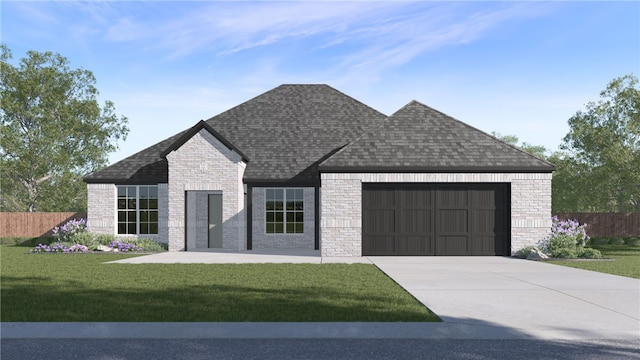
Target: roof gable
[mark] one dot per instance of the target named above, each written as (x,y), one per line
(418,138)
(196,129)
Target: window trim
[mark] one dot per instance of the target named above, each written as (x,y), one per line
(138,210)
(284,212)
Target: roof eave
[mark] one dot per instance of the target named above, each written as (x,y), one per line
(430,169)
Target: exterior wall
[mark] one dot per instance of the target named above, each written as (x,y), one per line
(341,211)
(261,239)
(101,208)
(163,213)
(205,164)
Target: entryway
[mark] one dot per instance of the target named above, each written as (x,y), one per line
(203,220)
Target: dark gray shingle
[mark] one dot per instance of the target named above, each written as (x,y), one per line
(284,132)
(419,138)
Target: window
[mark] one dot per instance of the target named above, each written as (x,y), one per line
(137,210)
(285,211)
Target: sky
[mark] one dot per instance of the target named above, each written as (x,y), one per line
(517,68)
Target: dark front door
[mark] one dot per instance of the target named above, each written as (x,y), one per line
(436,219)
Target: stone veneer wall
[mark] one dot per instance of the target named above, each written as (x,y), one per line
(341,212)
(260,239)
(203,163)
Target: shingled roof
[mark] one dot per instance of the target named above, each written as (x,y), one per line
(419,138)
(285,133)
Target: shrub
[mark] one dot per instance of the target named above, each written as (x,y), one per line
(566,240)
(151,245)
(70,230)
(84,238)
(589,253)
(565,253)
(617,241)
(103,239)
(599,241)
(634,241)
(524,252)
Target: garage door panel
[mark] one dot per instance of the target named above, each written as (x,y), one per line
(378,221)
(379,245)
(453,221)
(488,245)
(379,198)
(415,221)
(416,197)
(487,221)
(452,245)
(452,197)
(415,245)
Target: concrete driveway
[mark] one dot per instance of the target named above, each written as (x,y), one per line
(523,297)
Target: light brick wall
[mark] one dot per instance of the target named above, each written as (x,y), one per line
(261,240)
(101,208)
(205,164)
(341,222)
(163,213)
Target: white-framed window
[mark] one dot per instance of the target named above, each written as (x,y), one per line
(137,209)
(284,211)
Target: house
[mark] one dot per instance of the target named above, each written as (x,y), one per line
(308,167)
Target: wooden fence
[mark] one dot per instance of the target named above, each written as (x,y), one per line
(607,224)
(36,224)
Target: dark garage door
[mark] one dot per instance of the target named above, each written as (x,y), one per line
(436,219)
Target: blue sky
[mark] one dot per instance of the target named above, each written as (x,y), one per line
(520,68)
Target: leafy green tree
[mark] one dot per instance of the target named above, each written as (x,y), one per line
(52,132)
(599,167)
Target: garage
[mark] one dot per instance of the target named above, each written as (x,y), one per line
(461,219)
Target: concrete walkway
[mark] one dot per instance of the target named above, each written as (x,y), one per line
(477,298)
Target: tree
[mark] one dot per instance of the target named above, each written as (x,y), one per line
(599,167)
(53,131)
(538,151)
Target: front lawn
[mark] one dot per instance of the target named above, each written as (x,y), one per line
(81,287)
(626,261)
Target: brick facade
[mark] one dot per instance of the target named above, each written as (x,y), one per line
(341,223)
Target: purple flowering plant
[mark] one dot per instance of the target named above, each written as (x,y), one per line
(69,230)
(565,234)
(124,246)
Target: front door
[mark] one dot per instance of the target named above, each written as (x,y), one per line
(215,221)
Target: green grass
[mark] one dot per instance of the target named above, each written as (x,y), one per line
(81,287)
(626,261)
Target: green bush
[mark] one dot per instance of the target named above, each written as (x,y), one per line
(524,252)
(589,253)
(617,241)
(600,241)
(634,241)
(150,245)
(564,253)
(104,239)
(559,243)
